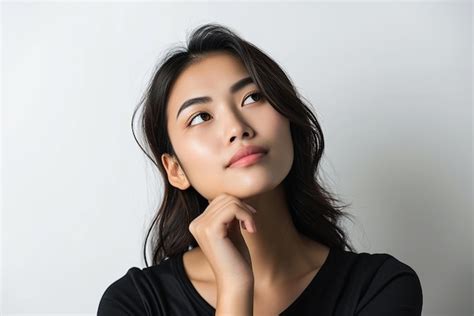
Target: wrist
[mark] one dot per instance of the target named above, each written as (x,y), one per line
(235,301)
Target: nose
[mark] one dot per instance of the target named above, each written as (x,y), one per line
(238,128)
(234,137)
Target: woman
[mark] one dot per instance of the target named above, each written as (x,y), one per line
(245,227)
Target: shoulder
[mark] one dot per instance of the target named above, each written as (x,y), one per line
(375,263)
(138,290)
(122,296)
(388,285)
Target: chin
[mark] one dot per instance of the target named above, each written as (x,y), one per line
(249,192)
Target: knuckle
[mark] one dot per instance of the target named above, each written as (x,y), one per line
(194,226)
(207,231)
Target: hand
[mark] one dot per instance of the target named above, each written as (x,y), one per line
(218,234)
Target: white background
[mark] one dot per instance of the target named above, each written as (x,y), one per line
(391,84)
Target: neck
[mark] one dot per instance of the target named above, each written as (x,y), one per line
(278,252)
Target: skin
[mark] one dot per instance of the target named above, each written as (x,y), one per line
(204,149)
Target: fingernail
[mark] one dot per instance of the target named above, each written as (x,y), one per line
(253,209)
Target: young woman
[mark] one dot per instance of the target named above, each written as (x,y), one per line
(245,227)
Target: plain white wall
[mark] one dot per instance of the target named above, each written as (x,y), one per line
(391,84)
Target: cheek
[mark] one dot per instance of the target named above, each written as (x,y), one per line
(276,125)
(202,154)
(204,166)
(203,146)
(277,128)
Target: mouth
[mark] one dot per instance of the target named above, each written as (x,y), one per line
(244,151)
(248,160)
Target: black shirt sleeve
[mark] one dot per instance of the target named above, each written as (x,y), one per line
(108,307)
(395,291)
(121,298)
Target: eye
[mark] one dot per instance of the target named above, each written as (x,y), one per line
(253,94)
(197,115)
(200,113)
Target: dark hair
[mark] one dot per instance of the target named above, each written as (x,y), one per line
(313,209)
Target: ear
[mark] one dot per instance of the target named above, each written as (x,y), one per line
(176,175)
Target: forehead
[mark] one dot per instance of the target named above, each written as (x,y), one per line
(212,75)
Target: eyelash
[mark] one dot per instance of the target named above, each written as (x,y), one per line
(199,113)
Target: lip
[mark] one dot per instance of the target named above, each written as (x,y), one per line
(247,151)
(247,160)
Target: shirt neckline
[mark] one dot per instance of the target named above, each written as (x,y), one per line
(315,281)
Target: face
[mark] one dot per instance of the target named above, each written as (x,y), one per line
(206,135)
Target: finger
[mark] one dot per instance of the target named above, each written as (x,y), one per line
(229,213)
(237,210)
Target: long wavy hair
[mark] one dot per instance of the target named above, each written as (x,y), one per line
(315,212)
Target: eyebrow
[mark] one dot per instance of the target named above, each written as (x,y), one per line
(233,89)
